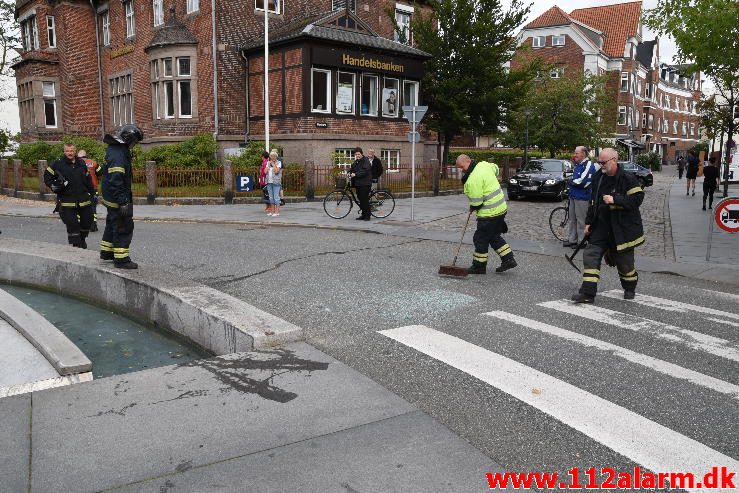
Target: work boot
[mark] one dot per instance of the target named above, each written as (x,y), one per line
(477,268)
(127,265)
(582,298)
(506,265)
(106,256)
(629,294)
(83,244)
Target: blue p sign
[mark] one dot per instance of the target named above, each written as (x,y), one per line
(244,183)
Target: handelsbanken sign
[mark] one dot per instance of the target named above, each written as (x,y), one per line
(343,58)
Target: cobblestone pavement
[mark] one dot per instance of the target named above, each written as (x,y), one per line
(528,219)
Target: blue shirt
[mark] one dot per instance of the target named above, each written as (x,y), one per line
(582,179)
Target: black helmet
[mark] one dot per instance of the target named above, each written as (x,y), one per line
(128,134)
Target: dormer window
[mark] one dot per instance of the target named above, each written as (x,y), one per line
(403,20)
(558,40)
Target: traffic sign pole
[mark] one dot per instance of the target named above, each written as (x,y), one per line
(414,115)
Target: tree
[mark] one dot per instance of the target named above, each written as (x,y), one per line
(563,113)
(466,85)
(10,43)
(706,33)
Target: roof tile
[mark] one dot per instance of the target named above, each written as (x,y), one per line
(552,17)
(618,22)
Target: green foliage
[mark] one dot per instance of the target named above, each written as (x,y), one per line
(195,152)
(650,160)
(34,151)
(700,146)
(498,155)
(6,139)
(563,113)
(251,155)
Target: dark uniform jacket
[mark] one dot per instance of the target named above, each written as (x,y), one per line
(617,225)
(79,190)
(362,170)
(117,176)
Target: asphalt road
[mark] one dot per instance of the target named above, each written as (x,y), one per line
(613,405)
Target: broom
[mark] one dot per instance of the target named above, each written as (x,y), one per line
(453,270)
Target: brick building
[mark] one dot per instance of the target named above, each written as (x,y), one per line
(656,102)
(339,72)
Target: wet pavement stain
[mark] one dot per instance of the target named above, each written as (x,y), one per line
(120,412)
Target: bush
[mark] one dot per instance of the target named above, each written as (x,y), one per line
(196,152)
(251,155)
(650,160)
(32,152)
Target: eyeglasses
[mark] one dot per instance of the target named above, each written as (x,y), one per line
(604,162)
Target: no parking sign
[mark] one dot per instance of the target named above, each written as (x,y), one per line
(727,215)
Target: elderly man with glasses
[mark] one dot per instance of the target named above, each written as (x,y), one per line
(613,226)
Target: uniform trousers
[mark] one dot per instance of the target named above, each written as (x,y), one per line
(489,234)
(116,237)
(77,220)
(592,258)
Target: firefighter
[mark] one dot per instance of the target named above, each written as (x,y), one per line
(613,227)
(95,170)
(117,196)
(69,179)
(488,201)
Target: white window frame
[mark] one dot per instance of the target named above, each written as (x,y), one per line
(341,5)
(650,122)
(157,12)
(396,88)
(666,126)
(685,128)
(692,129)
(169,87)
(130,14)
(29,33)
(538,41)
(339,83)
(361,95)
(643,120)
(121,99)
(192,6)
(50,97)
(51,31)
(105,20)
(403,20)
(343,156)
(625,82)
(415,84)
(183,78)
(621,115)
(276,6)
(558,40)
(557,73)
(327,109)
(674,127)
(391,159)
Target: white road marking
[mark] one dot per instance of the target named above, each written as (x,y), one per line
(645,442)
(695,340)
(658,365)
(670,305)
(733,324)
(721,294)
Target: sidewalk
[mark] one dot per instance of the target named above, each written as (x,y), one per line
(689,227)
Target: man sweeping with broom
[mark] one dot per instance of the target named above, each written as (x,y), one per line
(487,200)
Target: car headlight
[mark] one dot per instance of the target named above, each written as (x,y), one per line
(550,182)
(512,181)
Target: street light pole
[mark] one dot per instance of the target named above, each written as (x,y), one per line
(266,74)
(526,144)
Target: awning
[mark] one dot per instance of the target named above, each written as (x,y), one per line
(631,143)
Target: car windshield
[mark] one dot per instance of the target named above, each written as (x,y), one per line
(546,166)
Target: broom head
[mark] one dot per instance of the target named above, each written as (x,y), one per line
(453,271)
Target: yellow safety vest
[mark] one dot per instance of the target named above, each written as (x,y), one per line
(482,188)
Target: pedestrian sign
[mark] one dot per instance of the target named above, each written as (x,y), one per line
(727,215)
(244,183)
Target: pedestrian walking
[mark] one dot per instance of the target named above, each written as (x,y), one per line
(95,171)
(118,196)
(69,179)
(613,226)
(710,182)
(680,167)
(487,199)
(376,166)
(580,188)
(692,172)
(274,183)
(361,173)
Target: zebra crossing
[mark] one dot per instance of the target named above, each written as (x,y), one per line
(636,437)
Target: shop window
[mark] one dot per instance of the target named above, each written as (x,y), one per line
(130,20)
(403,22)
(320,91)
(345,93)
(342,4)
(390,99)
(51,31)
(391,159)
(272,5)
(539,41)
(624,82)
(558,40)
(193,6)
(622,115)
(369,95)
(158,8)
(29,33)
(49,95)
(105,21)
(343,156)
(121,100)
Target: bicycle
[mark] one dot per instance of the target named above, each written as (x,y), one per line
(338,204)
(559,220)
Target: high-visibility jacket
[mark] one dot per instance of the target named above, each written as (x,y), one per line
(483,190)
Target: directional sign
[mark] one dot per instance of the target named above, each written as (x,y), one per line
(414,137)
(244,183)
(727,215)
(414,114)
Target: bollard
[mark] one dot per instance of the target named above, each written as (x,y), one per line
(309,180)
(3,174)
(17,176)
(228,182)
(41,167)
(436,176)
(151,182)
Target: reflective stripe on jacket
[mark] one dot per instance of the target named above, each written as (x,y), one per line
(482,189)
(581,181)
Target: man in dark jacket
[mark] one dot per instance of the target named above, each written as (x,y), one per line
(375,166)
(692,172)
(117,196)
(613,226)
(361,172)
(69,179)
(710,182)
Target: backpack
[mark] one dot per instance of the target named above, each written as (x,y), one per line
(377,169)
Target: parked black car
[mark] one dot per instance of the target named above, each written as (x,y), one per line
(541,178)
(643,174)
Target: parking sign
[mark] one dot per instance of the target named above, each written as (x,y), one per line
(244,183)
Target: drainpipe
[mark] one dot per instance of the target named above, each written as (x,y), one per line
(215,70)
(246,77)
(100,70)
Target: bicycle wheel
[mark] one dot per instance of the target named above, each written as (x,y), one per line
(382,203)
(559,223)
(337,204)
